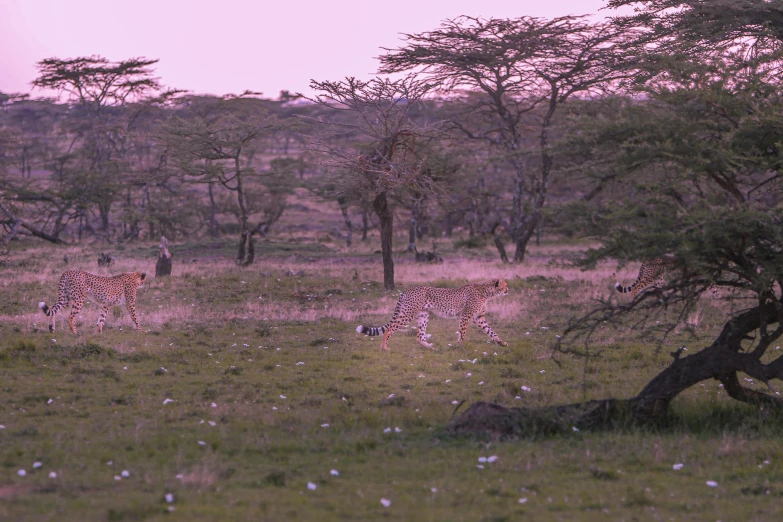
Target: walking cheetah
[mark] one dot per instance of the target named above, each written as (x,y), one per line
(469,302)
(108,291)
(650,274)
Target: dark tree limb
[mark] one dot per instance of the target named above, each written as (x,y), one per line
(17,222)
(722,360)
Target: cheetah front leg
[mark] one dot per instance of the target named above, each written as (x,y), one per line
(422,320)
(482,323)
(130,304)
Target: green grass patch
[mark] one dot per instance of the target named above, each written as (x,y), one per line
(249,396)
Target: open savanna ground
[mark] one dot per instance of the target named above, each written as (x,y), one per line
(248,395)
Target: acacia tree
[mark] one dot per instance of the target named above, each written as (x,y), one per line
(511,76)
(100,92)
(696,167)
(221,145)
(383,157)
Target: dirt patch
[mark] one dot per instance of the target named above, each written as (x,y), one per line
(9,491)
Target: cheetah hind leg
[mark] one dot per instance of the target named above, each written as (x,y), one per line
(77,306)
(386,335)
(422,320)
(102,318)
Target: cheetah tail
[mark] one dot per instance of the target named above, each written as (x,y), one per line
(371,330)
(43,307)
(623,289)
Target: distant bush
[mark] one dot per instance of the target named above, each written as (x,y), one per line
(471,242)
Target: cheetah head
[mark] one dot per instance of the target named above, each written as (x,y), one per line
(501,288)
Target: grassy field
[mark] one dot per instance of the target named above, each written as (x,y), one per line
(249,396)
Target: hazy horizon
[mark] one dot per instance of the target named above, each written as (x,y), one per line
(261,46)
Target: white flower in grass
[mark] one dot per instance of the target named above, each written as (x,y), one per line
(397,430)
(49,401)
(712,484)
(517,398)
(391,395)
(169,498)
(482,382)
(125,473)
(300,363)
(37,465)
(212,423)
(574,428)
(282,396)
(677,466)
(468,374)
(448,380)
(542,371)
(454,402)
(387,430)
(434,490)
(52,474)
(202,443)
(480,466)
(324,425)
(493,458)
(385,502)
(525,388)
(213,405)
(311,486)
(166,401)
(21,473)
(334,473)
(522,500)
(117,477)
(482,459)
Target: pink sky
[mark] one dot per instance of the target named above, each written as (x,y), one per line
(227,46)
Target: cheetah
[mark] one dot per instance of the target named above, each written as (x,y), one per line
(469,302)
(108,291)
(650,274)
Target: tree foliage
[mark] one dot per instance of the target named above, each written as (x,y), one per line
(219,141)
(511,76)
(384,154)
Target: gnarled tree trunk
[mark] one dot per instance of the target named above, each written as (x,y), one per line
(721,360)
